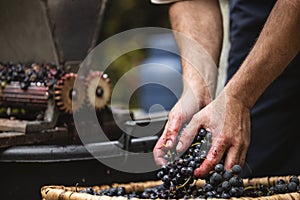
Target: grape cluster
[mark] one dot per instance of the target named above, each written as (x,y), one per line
(46,74)
(114,191)
(280,187)
(177,175)
(179,182)
(221,183)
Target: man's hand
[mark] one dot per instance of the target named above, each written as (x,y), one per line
(183,111)
(229,122)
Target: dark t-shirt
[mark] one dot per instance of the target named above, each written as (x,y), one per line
(275,121)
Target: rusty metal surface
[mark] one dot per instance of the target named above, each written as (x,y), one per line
(48,30)
(25,33)
(74,24)
(35,96)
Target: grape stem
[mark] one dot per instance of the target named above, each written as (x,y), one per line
(180,186)
(251,187)
(170,155)
(76,187)
(195,144)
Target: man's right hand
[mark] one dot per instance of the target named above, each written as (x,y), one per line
(181,113)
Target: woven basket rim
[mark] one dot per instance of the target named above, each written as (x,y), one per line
(60,192)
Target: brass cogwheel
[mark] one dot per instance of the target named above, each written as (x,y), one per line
(68,98)
(98,89)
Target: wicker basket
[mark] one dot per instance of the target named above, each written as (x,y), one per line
(71,193)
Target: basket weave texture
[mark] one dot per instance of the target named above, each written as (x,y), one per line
(71,193)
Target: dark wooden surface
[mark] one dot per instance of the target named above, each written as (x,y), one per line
(8,139)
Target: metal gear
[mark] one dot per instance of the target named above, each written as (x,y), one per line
(98,89)
(68,98)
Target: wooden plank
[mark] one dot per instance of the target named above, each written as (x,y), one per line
(25,33)
(10,134)
(13,138)
(7,125)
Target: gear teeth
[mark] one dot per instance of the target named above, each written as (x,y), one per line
(60,103)
(63,90)
(96,80)
(58,98)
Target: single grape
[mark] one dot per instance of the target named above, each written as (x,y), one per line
(233,192)
(219,168)
(207,187)
(236,169)
(196,152)
(236,181)
(280,181)
(160,174)
(220,189)
(164,169)
(192,164)
(281,188)
(227,175)
(225,195)
(209,194)
(121,191)
(145,195)
(215,179)
(292,187)
(198,138)
(197,159)
(226,186)
(183,171)
(90,190)
(172,172)
(179,178)
(152,196)
(185,162)
(166,178)
(295,179)
(113,191)
(189,171)
(202,132)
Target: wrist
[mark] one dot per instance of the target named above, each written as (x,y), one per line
(200,84)
(240,94)
(199,92)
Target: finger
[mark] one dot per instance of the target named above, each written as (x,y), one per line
(233,156)
(159,156)
(159,151)
(172,128)
(167,140)
(213,157)
(188,135)
(243,157)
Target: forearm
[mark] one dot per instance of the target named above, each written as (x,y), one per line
(276,46)
(199,23)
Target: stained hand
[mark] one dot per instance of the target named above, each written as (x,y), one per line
(182,112)
(229,122)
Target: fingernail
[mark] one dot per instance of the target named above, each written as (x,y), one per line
(179,146)
(169,143)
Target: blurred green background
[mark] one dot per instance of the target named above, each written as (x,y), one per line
(123,15)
